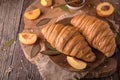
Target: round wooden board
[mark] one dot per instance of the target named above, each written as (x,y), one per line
(47,12)
(53,14)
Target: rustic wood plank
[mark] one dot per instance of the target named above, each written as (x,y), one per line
(31,70)
(10,16)
(13,64)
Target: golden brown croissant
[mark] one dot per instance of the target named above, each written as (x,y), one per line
(69,41)
(97,33)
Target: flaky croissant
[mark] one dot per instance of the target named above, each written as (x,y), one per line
(69,41)
(97,33)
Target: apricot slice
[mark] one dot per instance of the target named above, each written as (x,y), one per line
(46,3)
(105,9)
(33,14)
(27,38)
(75,63)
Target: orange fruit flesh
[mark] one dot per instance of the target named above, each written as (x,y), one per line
(104,13)
(33,14)
(27,38)
(75,63)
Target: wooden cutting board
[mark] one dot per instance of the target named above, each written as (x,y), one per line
(53,14)
(47,12)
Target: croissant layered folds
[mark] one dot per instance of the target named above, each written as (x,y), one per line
(69,41)
(97,33)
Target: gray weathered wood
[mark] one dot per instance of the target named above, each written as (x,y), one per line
(13,64)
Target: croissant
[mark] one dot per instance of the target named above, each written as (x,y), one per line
(69,41)
(97,33)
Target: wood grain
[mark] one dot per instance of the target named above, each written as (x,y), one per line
(13,64)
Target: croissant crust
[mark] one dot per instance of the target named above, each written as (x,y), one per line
(69,41)
(97,33)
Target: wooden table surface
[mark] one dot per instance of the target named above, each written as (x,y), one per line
(13,64)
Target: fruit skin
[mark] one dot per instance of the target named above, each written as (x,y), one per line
(105,13)
(33,14)
(27,38)
(75,63)
(46,3)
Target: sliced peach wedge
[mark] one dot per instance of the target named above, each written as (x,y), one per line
(75,63)
(46,3)
(27,38)
(33,14)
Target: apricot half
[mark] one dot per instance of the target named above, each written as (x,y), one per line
(27,38)
(33,14)
(46,3)
(75,63)
(105,9)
